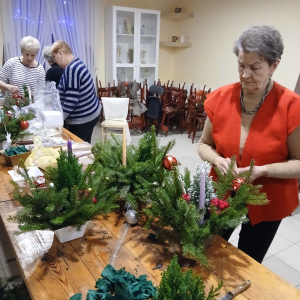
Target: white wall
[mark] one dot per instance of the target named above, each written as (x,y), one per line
(218,23)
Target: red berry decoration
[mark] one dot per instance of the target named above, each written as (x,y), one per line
(94,200)
(24,124)
(15,96)
(236,183)
(219,204)
(186,197)
(169,161)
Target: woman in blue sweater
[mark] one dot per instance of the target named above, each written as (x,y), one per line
(77,93)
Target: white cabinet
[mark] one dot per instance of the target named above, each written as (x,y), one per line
(131,44)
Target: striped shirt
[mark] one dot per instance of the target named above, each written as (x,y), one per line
(14,72)
(77,94)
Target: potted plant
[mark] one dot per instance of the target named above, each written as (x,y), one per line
(64,200)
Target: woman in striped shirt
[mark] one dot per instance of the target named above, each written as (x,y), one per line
(18,71)
(77,93)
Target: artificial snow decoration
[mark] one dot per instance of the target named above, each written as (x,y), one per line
(194,189)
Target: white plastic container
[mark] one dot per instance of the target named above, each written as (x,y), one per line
(69,233)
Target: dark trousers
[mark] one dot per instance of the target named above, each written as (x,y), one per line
(83,131)
(255,240)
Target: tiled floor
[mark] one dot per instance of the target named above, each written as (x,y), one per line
(283,257)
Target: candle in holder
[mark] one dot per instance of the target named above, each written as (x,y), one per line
(202,193)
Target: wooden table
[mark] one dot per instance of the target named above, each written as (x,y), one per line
(57,271)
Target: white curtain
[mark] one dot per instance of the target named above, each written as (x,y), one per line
(74,21)
(24,18)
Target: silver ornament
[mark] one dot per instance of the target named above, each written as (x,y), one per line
(131,216)
(51,184)
(89,189)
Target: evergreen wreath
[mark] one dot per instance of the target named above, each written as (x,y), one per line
(70,197)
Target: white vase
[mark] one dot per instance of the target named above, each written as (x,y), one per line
(69,233)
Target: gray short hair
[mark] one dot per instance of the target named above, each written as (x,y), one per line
(47,54)
(264,40)
(30,43)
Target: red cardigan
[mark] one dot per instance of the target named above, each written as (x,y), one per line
(278,116)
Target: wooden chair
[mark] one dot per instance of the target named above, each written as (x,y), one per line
(173,106)
(197,115)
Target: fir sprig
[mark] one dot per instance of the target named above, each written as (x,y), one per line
(178,285)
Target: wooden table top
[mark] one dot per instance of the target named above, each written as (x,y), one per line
(57,271)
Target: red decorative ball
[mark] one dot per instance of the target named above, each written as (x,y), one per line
(169,161)
(236,183)
(94,200)
(15,96)
(9,113)
(24,124)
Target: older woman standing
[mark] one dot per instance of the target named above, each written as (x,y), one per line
(55,72)
(77,93)
(22,70)
(258,119)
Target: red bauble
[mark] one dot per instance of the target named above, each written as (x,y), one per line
(169,161)
(9,113)
(24,124)
(18,102)
(94,200)
(236,183)
(15,96)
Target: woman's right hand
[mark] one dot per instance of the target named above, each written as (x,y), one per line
(12,88)
(223,164)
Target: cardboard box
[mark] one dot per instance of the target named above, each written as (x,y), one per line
(14,160)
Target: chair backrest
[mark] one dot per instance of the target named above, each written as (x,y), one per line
(115,108)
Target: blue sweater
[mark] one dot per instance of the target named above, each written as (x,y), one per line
(77,94)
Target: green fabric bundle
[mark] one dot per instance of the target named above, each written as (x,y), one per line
(120,285)
(15,151)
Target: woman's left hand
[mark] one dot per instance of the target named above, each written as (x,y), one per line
(258,171)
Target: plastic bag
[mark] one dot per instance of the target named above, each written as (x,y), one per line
(40,156)
(47,104)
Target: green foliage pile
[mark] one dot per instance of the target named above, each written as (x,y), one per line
(178,285)
(119,285)
(69,202)
(143,167)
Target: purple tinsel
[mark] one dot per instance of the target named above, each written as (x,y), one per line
(70,145)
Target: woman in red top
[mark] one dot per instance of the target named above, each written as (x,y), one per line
(258,119)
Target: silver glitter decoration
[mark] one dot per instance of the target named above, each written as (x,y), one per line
(131,216)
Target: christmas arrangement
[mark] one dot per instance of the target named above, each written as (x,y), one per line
(67,196)
(193,222)
(178,285)
(120,285)
(143,166)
